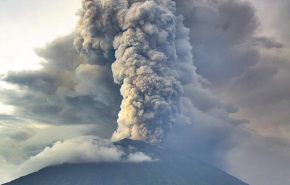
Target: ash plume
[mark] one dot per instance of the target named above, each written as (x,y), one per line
(152,53)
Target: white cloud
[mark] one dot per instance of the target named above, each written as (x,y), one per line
(138,157)
(84,149)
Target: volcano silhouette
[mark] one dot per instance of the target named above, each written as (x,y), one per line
(169,168)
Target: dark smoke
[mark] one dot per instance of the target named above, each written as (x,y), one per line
(153,58)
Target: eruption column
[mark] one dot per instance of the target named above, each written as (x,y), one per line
(142,34)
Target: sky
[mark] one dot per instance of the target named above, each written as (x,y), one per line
(239,116)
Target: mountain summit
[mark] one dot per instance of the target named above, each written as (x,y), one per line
(168,167)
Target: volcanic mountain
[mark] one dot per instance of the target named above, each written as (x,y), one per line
(168,168)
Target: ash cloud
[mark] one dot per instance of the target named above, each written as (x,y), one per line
(229,58)
(153,65)
(200,110)
(144,37)
(247,64)
(82,91)
(219,33)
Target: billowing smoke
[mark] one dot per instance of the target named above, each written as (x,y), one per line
(151,63)
(78,98)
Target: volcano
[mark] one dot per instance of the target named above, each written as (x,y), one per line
(168,168)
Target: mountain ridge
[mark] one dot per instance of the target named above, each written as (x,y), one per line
(169,167)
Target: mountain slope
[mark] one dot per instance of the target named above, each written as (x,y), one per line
(171,168)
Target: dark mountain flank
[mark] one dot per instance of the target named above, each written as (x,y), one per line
(169,168)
